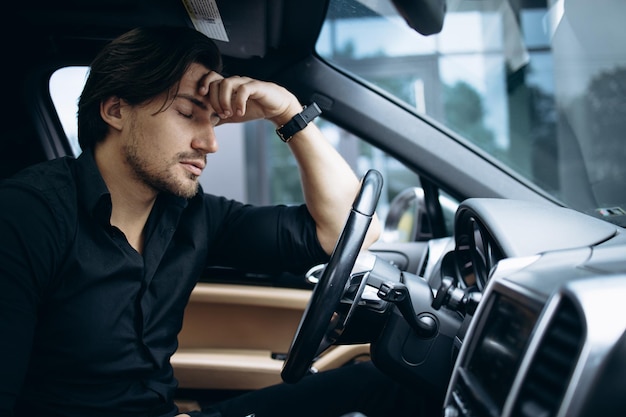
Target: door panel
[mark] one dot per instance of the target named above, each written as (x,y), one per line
(234,337)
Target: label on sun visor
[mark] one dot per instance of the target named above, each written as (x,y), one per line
(206,18)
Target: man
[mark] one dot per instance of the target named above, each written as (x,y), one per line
(99,254)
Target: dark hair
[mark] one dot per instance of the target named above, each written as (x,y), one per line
(138,66)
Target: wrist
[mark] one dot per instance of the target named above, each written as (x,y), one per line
(284,118)
(298,122)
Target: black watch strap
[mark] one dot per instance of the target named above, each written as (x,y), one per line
(298,122)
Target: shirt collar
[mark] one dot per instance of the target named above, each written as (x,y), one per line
(93,190)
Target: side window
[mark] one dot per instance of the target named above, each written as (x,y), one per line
(66,85)
(252,164)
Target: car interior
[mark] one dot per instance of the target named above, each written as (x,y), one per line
(489,138)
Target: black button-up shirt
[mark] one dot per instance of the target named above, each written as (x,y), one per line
(87,324)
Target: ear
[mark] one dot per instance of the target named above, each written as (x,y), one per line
(110,111)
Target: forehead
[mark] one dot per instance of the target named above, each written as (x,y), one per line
(186,89)
(191,77)
(195,72)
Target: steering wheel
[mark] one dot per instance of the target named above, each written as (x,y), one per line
(314,334)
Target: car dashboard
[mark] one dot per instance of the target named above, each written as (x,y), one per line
(530,303)
(548,335)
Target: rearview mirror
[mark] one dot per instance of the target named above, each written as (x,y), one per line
(425,16)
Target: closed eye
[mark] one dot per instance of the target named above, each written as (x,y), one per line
(185,115)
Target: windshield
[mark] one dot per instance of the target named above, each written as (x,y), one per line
(538,85)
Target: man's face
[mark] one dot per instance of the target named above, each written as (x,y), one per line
(166,149)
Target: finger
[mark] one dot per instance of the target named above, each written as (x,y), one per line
(229,96)
(205,81)
(240,97)
(219,97)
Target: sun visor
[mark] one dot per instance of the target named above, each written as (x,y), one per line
(239,30)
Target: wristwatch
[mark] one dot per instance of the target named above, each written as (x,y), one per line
(298,122)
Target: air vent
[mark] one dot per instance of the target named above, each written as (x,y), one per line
(550,371)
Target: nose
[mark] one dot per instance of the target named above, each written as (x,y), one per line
(205,141)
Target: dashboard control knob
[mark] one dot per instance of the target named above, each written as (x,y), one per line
(454,298)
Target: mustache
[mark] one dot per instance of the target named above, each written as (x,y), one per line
(198,156)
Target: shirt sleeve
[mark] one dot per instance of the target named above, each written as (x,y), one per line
(29,243)
(265,239)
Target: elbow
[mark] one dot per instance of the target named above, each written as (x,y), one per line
(328,236)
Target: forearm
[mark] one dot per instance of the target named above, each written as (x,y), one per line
(329,185)
(328,182)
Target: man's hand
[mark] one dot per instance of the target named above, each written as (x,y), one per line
(239,99)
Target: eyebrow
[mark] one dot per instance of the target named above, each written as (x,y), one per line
(194,100)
